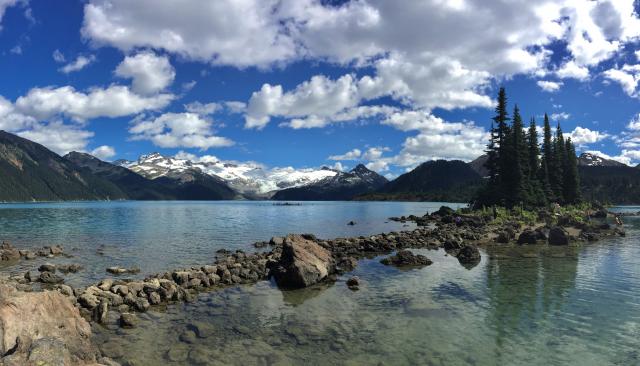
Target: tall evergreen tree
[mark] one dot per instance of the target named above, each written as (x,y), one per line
(502,118)
(536,185)
(516,162)
(534,150)
(556,165)
(571,181)
(492,155)
(547,157)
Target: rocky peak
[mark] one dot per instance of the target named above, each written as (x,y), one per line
(361,169)
(590,159)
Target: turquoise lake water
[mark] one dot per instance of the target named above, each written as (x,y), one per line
(539,306)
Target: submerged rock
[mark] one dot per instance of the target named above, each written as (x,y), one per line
(469,256)
(405,258)
(302,263)
(128,320)
(353,283)
(70,268)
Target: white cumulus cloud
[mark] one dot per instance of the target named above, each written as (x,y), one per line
(173,130)
(550,86)
(149,73)
(350,155)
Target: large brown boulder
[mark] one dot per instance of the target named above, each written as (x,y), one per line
(303,263)
(42,328)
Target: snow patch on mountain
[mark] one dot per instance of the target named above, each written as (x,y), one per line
(248,178)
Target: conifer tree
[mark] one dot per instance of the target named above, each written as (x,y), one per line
(547,157)
(556,165)
(492,155)
(534,150)
(536,191)
(516,160)
(571,181)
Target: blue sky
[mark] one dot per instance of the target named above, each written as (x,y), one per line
(306,83)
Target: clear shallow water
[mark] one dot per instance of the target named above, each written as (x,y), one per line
(159,236)
(541,306)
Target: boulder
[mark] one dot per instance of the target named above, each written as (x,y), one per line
(528,236)
(8,252)
(43,328)
(354,283)
(451,245)
(276,240)
(47,267)
(302,263)
(505,235)
(128,320)
(444,211)
(50,277)
(558,236)
(56,250)
(405,258)
(69,268)
(101,312)
(469,255)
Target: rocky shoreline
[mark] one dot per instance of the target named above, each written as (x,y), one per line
(294,261)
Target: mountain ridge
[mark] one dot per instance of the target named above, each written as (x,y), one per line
(31,172)
(342,186)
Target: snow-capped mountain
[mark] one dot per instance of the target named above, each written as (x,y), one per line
(590,159)
(342,186)
(250,179)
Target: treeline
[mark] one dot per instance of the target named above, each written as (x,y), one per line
(521,173)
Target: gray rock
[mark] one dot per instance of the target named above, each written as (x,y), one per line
(354,283)
(70,268)
(154,298)
(302,263)
(528,236)
(121,290)
(202,329)
(47,267)
(101,312)
(469,256)
(50,278)
(188,336)
(276,240)
(405,258)
(141,304)
(128,320)
(558,236)
(56,250)
(105,285)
